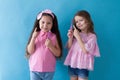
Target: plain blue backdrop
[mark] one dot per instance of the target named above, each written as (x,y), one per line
(16,22)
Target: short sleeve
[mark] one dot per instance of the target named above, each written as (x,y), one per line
(92,46)
(54,39)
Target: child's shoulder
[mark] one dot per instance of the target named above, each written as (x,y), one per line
(92,35)
(53,35)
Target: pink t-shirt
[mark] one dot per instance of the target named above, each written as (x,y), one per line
(43,60)
(77,59)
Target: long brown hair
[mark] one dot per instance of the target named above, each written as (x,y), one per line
(54,30)
(87,17)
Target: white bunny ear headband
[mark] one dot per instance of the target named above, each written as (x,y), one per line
(45,11)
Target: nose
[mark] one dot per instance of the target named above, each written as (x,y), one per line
(45,25)
(79,23)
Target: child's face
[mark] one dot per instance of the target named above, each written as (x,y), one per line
(45,23)
(81,23)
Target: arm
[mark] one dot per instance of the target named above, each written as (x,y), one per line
(31,45)
(79,39)
(81,43)
(90,46)
(70,38)
(69,43)
(55,49)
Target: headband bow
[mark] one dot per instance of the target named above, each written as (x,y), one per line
(45,11)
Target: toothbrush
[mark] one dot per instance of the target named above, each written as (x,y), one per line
(48,36)
(71,26)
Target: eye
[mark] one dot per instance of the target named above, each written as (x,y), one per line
(42,22)
(49,23)
(76,21)
(81,20)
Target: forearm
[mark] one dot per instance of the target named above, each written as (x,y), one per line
(82,45)
(56,51)
(31,46)
(69,43)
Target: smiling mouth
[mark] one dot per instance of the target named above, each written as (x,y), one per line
(80,26)
(45,28)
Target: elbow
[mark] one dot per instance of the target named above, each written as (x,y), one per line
(84,50)
(30,50)
(69,46)
(58,54)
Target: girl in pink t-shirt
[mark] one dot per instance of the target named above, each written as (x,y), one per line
(82,45)
(44,46)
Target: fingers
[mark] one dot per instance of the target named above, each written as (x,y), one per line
(35,29)
(35,33)
(74,27)
(70,33)
(48,43)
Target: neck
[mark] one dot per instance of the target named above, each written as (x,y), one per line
(84,31)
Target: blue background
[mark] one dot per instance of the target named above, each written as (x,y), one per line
(16,22)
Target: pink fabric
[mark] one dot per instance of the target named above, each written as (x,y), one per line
(43,60)
(77,59)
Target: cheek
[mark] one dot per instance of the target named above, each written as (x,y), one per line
(83,22)
(40,26)
(77,24)
(50,27)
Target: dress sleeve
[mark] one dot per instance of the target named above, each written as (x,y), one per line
(92,46)
(54,39)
